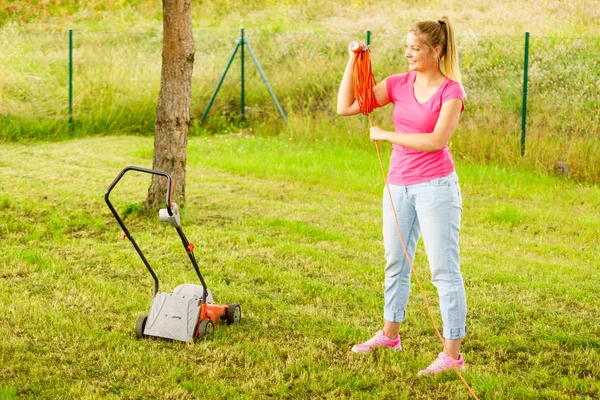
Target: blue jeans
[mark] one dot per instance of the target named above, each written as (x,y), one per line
(432,208)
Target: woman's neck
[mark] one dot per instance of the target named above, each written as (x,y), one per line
(430,78)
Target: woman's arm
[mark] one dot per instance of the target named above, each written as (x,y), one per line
(434,141)
(346,102)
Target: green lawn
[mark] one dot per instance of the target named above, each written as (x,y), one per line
(290,229)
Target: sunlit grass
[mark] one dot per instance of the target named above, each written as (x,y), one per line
(290,230)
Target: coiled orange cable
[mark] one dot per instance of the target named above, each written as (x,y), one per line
(364,81)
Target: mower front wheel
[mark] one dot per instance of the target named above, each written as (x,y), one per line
(140,325)
(234,314)
(205,328)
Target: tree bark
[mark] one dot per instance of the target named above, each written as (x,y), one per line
(174,101)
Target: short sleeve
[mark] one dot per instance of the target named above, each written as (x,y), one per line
(454,91)
(393,84)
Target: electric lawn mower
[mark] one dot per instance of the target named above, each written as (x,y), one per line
(187,313)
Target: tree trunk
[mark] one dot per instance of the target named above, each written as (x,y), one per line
(174,101)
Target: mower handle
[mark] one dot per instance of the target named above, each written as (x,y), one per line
(122,224)
(186,244)
(148,171)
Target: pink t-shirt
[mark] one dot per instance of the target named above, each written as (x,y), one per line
(408,166)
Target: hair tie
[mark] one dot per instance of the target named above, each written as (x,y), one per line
(442,23)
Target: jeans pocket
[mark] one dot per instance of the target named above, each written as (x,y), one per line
(439,182)
(457,187)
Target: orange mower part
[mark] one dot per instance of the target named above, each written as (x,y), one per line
(212,314)
(213,311)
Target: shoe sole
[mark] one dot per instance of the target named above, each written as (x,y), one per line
(462,368)
(399,348)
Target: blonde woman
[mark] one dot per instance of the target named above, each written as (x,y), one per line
(427,103)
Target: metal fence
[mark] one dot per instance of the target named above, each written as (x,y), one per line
(117,75)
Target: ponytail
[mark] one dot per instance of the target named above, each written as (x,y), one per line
(449,60)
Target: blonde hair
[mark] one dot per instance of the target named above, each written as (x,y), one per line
(440,33)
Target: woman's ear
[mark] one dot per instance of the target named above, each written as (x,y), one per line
(438,50)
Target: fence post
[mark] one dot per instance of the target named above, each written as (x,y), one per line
(243,83)
(240,43)
(524,111)
(71,80)
(214,95)
(264,78)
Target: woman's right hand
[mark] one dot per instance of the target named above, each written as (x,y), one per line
(354,47)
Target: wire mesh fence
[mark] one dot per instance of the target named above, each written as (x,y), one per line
(565,71)
(116,77)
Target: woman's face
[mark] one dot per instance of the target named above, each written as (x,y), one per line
(420,57)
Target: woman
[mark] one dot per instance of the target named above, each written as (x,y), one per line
(428,101)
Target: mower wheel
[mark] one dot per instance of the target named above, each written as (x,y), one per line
(205,328)
(234,314)
(139,326)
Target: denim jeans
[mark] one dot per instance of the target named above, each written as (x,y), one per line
(432,208)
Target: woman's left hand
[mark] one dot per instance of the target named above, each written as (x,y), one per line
(377,134)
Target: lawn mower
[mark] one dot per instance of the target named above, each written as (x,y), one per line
(188,313)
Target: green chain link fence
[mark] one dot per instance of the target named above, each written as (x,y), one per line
(116,79)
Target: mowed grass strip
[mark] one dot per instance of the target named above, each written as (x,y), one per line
(290,229)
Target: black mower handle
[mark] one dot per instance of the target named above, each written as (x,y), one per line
(122,224)
(186,244)
(148,171)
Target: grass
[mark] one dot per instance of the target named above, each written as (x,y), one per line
(290,229)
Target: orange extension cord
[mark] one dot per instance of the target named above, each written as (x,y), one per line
(364,81)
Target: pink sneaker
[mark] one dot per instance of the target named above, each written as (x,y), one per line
(443,363)
(379,340)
